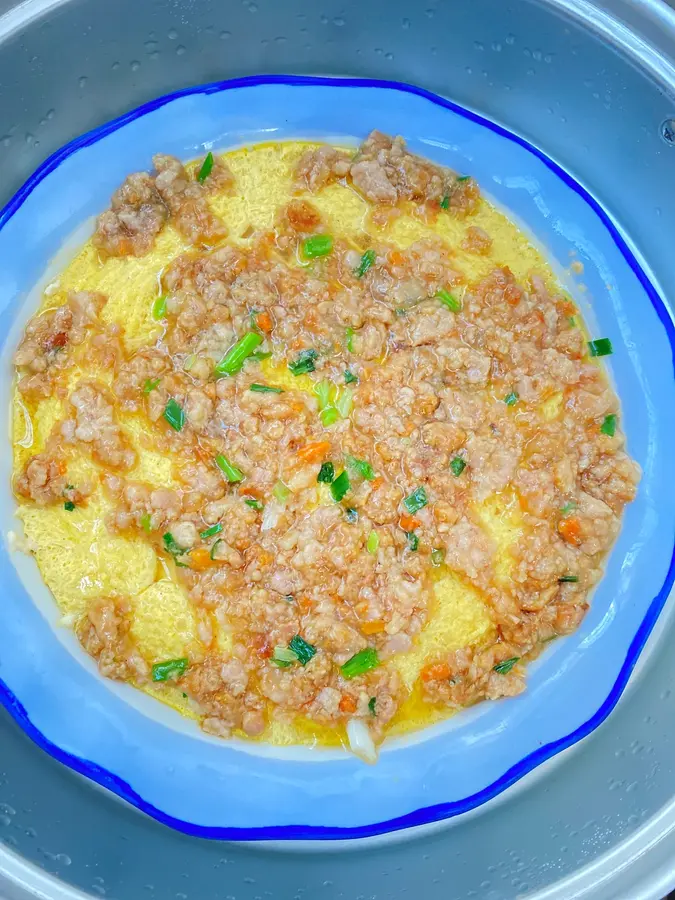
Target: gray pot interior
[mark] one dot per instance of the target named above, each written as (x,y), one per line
(544,72)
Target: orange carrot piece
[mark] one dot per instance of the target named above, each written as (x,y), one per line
(314,451)
(200,560)
(264,322)
(436,672)
(347,704)
(408,522)
(372,627)
(570,529)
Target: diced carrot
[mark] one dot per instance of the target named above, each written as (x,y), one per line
(436,672)
(264,322)
(408,522)
(252,490)
(396,258)
(263,649)
(347,704)
(570,529)
(372,627)
(377,482)
(200,560)
(314,451)
(265,558)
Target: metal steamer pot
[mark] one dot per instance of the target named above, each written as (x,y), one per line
(593,85)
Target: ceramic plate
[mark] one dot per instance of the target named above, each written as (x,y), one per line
(161,763)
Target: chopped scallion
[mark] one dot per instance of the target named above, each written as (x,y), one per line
(352,514)
(159,307)
(344,402)
(568,507)
(437,557)
(322,390)
(371,705)
(205,169)
(361,466)
(280,492)
(171,546)
(238,353)
(457,466)
(284,657)
(511,398)
(451,302)
(350,378)
(503,668)
(413,540)
(367,260)
(608,426)
(69,506)
(304,363)
(231,472)
(326,473)
(146,522)
(360,663)
(317,245)
(174,415)
(416,501)
(600,347)
(212,552)
(349,339)
(209,532)
(373,542)
(461,178)
(253,503)
(329,416)
(265,389)
(568,579)
(340,486)
(172,668)
(260,355)
(302,649)
(445,202)
(151,385)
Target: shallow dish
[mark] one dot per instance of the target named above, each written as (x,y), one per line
(153,758)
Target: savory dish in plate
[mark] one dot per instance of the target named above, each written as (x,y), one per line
(310,444)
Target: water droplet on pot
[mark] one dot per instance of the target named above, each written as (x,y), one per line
(225,35)
(134,65)
(668,135)
(180,50)
(172,34)
(82,81)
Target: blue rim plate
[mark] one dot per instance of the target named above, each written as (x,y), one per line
(163,765)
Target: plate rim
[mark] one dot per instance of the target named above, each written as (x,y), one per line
(428,814)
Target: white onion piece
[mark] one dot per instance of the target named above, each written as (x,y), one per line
(27,440)
(360,742)
(271,516)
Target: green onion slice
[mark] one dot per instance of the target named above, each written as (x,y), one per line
(350,378)
(171,546)
(159,307)
(69,506)
(329,416)
(209,532)
(367,260)
(505,667)
(316,246)
(284,657)
(326,473)
(349,339)
(360,663)
(352,514)
(445,202)
(231,472)
(172,668)
(457,466)
(146,522)
(373,542)
(461,178)
(451,302)
(212,552)
(361,467)
(437,557)
(568,507)
(174,415)
(568,579)
(413,540)
(304,363)
(344,403)
(302,649)
(253,503)
(205,169)
(340,486)
(511,399)
(238,353)
(280,492)
(265,389)
(600,347)
(415,501)
(151,385)
(608,426)
(371,705)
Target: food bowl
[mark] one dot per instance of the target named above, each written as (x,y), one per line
(519,809)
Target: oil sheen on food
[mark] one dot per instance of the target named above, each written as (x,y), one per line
(399,493)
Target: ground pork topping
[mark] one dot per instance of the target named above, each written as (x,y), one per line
(349,422)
